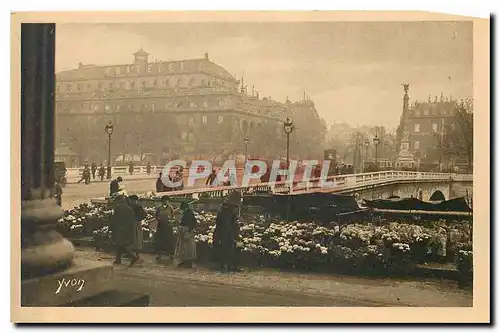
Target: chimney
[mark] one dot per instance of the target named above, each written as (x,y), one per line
(206,56)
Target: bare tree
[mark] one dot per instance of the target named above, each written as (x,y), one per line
(457,138)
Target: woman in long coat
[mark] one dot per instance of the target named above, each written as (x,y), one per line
(227,233)
(164,236)
(139,215)
(122,229)
(185,250)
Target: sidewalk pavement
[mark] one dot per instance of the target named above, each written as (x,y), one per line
(73,179)
(382,291)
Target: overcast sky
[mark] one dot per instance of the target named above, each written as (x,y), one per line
(353,71)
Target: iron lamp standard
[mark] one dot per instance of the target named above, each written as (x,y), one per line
(288,126)
(109,129)
(246,141)
(365,157)
(376,141)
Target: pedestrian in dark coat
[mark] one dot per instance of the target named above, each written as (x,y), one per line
(164,235)
(122,226)
(131,168)
(160,187)
(148,168)
(94,169)
(227,233)
(114,186)
(58,193)
(102,172)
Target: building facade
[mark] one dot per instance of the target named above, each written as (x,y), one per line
(176,109)
(421,131)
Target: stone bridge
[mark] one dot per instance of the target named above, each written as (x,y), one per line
(384,184)
(422,185)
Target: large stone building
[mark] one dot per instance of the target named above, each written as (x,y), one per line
(422,126)
(176,109)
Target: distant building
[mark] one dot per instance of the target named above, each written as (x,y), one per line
(176,109)
(66,155)
(422,126)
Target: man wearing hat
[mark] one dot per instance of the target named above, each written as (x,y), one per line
(227,233)
(114,186)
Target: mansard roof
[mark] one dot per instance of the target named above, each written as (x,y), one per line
(179,67)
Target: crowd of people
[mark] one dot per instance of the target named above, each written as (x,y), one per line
(126,230)
(91,170)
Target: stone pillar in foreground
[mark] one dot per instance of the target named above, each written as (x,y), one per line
(50,276)
(43,249)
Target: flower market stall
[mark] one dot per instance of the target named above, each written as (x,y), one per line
(364,248)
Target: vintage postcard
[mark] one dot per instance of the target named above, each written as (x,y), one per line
(250,167)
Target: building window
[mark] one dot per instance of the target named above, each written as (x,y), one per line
(426,112)
(204,119)
(132,84)
(191,120)
(68,87)
(166,82)
(417,128)
(220,119)
(191,104)
(149,68)
(434,127)
(79,86)
(111,84)
(89,86)
(117,70)
(106,107)
(144,83)
(170,67)
(155,82)
(183,135)
(99,85)
(205,104)
(417,145)
(417,113)
(122,85)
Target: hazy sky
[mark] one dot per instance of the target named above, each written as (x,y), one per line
(353,71)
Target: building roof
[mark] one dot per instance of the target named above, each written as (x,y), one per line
(93,72)
(64,151)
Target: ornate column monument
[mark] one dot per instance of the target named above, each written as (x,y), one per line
(50,275)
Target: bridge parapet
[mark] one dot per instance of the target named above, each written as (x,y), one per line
(340,183)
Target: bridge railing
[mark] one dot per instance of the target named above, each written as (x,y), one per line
(328,184)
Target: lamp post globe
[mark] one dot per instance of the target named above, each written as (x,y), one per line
(288,126)
(109,130)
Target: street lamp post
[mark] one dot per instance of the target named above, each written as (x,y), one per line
(109,129)
(376,141)
(288,126)
(365,157)
(246,141)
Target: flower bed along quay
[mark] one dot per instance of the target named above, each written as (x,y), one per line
(367,248)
